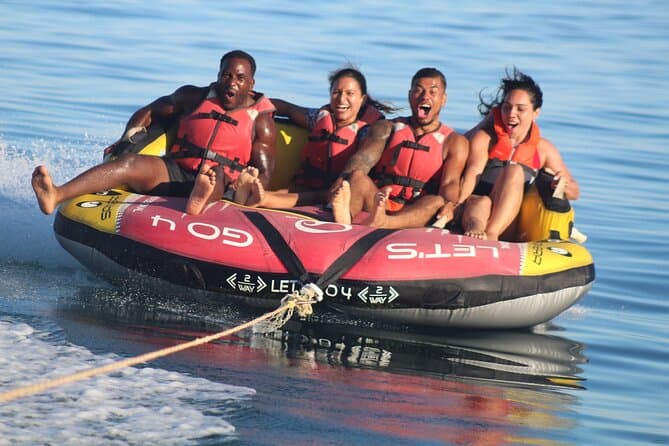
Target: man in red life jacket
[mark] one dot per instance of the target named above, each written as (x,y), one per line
(407,170)
(225,124)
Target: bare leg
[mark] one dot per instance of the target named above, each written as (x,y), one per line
(475,216)
(414,215)
(363,193)
(243,184)
(341,203)
(141,173)
(377,217)
(205,183)
(280,199)
(507,196)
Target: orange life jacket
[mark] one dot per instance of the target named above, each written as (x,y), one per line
(212,135)
(525,153)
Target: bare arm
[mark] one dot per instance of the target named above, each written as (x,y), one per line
(175,104)
(370,149)
(457,151)
(552,160)
(294,112)
(478,157)
(264,147)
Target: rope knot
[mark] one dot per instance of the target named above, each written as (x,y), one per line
(299,301)
(302,299)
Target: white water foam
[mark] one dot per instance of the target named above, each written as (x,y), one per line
(27,234)
(134,406)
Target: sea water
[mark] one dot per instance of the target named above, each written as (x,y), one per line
(72,73)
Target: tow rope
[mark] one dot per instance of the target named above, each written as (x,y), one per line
(300,301)
(287,305)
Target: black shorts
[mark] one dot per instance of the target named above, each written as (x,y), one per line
(490,174)
(181,180)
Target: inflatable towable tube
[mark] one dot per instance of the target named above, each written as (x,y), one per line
(423,276)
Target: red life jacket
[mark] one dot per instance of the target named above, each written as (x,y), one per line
(525,153)
(212,135)
(329,148)
(407,164)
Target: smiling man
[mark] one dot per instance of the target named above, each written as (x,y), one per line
(407,171)
(225,124)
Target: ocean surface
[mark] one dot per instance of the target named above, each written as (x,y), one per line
(71,73)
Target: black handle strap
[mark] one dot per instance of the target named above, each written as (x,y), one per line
(295,266)
(351,256)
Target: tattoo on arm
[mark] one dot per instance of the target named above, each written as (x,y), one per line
(370,148)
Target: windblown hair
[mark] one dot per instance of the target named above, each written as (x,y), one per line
(515,80)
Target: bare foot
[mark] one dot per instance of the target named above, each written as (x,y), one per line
(377,218)
(45,191)
(491,236)
(243,184)
(341,202)
(476,229)
(257,194)
(205,182)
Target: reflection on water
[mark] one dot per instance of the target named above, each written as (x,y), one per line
(536,357)
(521,357)
(395,382)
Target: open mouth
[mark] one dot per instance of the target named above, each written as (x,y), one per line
(424,110)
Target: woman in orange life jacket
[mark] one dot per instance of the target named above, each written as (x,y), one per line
(506,153)
(335,130)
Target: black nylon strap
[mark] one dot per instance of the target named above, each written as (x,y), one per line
(351,256)
(191,150)
(287,256)
(408,144)
(216,116)
(327,136)
(384,179)
(295,266)
(416,146)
